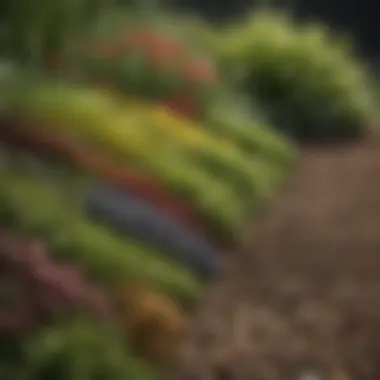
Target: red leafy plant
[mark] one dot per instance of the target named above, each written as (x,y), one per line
(33,287)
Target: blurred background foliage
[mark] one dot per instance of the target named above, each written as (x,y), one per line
(291,68)
(217,87)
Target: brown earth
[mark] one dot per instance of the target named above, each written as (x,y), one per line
(303,300)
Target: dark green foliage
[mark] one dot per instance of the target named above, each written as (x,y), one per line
(309,80)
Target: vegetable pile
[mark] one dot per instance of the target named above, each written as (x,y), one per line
(126,174)
(135,206)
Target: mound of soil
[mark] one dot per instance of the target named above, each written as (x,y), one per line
(303,299)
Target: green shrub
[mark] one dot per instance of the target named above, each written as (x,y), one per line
(309,80)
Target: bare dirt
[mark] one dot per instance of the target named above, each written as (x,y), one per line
(303,299)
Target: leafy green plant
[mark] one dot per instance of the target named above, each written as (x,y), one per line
(308,79)
(75,348)
(32,29)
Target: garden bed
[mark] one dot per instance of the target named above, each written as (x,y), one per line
(150,157)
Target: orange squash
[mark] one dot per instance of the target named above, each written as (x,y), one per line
(154,323)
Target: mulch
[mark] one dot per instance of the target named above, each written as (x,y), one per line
(302,299)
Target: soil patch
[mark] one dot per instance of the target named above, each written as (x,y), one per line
(303,299)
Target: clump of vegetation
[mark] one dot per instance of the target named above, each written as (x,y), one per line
(308,79)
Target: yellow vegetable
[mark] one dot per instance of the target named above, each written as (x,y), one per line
(186,132)
(154,323)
